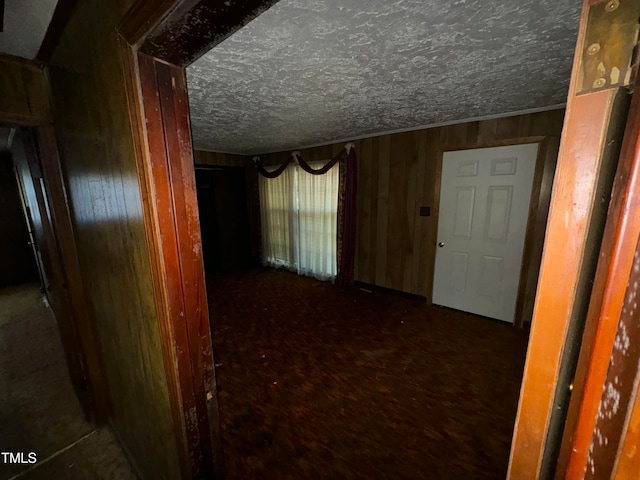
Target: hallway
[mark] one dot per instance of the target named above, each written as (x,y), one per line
(39,411)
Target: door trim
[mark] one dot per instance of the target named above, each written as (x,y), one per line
(80,339)
(536,222)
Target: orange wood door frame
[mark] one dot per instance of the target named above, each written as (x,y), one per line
(584,174)
(610,385)
(159,111)
(186,330)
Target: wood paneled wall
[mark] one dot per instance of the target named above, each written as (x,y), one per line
(397,174)
(95,139)
(24,97)
(202,157)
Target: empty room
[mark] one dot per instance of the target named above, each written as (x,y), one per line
(373,186)
(296,239)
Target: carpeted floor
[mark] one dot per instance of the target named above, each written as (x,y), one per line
(318,382)
(39,411)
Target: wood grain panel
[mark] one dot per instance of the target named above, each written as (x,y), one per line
(201,157)
(397,222)
(95,136)
(24,99)
(382,233)
(365,169)
(418,201)
(400,173)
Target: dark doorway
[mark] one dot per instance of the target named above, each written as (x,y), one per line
(17,261)
(224,220)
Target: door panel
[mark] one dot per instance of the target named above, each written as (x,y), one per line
(484,208)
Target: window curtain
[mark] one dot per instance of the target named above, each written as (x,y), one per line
(346,209)
(299,220)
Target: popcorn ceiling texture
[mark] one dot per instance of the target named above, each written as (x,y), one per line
(308,71)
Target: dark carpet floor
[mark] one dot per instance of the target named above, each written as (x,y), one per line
(321,382)
(39,411)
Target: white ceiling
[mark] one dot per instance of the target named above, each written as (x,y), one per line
(25,24)
(309,72)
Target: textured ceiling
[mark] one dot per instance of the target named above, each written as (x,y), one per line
(308,72)
(25,24)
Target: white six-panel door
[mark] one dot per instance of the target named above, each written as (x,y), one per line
(484,207)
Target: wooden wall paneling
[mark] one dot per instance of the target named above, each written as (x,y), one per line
(528,269)
(382,233)
(96,141)
(472,132)
(418,201)
(365,167)
(432,194)
(253,206)
(404,171)
(487,130)
(410,213)
(397,217)
(535,239)
(202,157)
(24,100)
(507,127)
(524,128)
(454,134)
(373,208)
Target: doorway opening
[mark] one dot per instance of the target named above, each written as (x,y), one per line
(224,220)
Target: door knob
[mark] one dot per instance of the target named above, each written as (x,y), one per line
(441,244)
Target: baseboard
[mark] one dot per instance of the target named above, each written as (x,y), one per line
(390,291)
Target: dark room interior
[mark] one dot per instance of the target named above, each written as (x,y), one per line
(299,239)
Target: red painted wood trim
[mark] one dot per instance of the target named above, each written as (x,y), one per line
(575,185)
(175,112)
(173,327)
(175,235)
(611,311)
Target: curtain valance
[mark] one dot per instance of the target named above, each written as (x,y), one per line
(344,154)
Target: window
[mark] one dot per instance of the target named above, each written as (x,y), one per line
(299,221)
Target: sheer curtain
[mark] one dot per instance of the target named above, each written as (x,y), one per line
(299,221)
